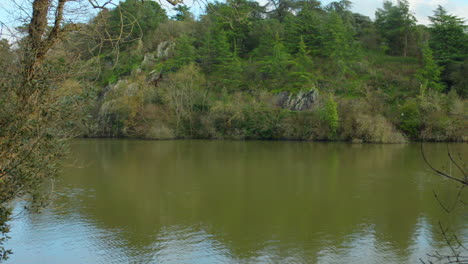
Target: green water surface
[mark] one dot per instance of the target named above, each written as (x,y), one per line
(130,201)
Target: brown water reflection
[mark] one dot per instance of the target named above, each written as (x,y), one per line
(241,202)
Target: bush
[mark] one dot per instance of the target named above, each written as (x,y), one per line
(361,123)
(410,118)
(329,115)
(185,94)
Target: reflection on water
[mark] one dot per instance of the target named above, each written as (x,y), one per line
(241,202)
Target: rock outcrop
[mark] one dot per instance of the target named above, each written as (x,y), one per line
(301,101)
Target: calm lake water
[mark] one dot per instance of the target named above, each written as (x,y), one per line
(129,201)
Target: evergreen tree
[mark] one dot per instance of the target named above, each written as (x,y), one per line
(429,74)
(215,49)
(184,53)
(301,75)
(229,73)
(182,13)
(274,66)
(235,18)
(449,39)
(343,8)
(396,23)
(283,8)
(132,19)
(307,24)
(220,62)
(338,41)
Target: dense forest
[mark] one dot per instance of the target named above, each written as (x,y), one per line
(293,70)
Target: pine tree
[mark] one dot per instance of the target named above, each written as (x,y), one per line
(182,13)
(274,66)
(301,75)
(229,73)
(215,50)
(396,23)
(184,53)
(448,37)
(338,42)
(429,74)
(449,41)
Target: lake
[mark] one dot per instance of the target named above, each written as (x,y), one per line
(196,201)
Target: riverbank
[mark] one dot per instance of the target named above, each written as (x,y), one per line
(177,110)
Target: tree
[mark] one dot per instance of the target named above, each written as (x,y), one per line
(458,251)
(32,114)
(343,8)
(429,74)
(35,112)
(133,19)
(338,42)
(283,8)
(235,18)
(182,13)
(449,41)
(448,37)
(184,53)
(215,49)
(301,75)
(329,115)
(395,24)
(306,24)
(275,62)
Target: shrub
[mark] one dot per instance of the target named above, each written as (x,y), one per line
(361,123)
(186,96)
(329,115)
(410,118)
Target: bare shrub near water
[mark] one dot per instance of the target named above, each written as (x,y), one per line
(186,95)
(360,124)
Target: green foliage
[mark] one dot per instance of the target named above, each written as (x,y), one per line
(5,214)
(429,74)
(184,54)
(214,50)
(37,116)
(275,62)
(329,114)
(120,65)
(234,18)
(457,73)
(410,119)
(308,25)
(449,41)
(182,13)
(301,75)
(449,38)
(395,23)
(338,42)
(242,50)
(133,19)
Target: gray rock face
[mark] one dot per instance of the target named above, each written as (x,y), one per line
(155,77)
(148,61)
(164,48)
(301,101)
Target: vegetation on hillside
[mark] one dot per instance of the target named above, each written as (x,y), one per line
(219,76)
(142,74)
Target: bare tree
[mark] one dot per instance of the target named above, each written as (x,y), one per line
(33,134)
(458,251)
